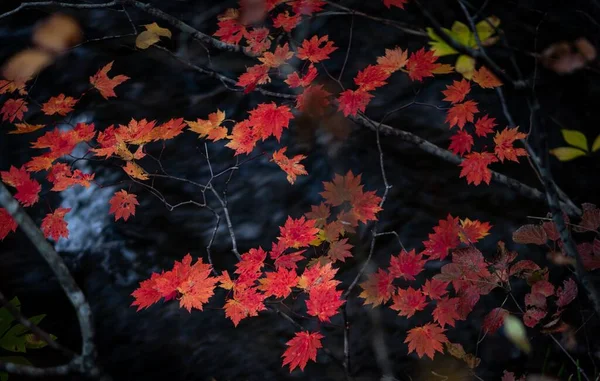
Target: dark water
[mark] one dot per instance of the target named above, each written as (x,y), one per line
(109,259)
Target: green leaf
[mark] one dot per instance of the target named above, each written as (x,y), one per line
(515,331)
(34,342)
(596,145)
(6,318)
(567,153)
(15,339)
(575,138)
(486,29)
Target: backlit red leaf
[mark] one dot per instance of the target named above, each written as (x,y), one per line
(54,225)
(426,340)
(104,84)
(301,348)
(123,204)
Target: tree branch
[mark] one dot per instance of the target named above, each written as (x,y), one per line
(44,4)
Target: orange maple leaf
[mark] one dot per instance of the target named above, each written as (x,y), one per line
(7,224)
(435,288)
(104,84)
(314,51)
(13,109)
(313,101)
(378,288)
(246,302)
(62,177)
(475,167)
(60,105)
(443,239)
(504,141)
(123,204)
(211,127)
(316,275)
(371,77)
(485,78)
(456,92)
(25,128)
(279,283)
(408,302)
(353,101)
(339,250)
(258,40)
(461,142)
(54,225)
(394,60)
(461,113)
(254,75)
(473,231)
(298,232)
(135,171)
(301,348)
(243,138)
(426,340)
(136,132)
(278,58)
(291,166)
(169,129)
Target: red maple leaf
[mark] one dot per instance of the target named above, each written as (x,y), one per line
(301,348)
(307,7)
(13,109)
(286,22)
(288,261)
(339,250)
(494,320)
(484,125)
(378,288)
(197,286)
(258,40)
(294,80)
(406,264)
(456,92)
(136,132)
(313,101)
(230,29)
(278,283)
(444,238)
(408,302)
(316,275)
(342,189)
(435,288)
(461,142)
(254,75)
(504,144)
(251,262)
(324,301)
(353,101)
(298,232)
(27,188)
(170,129)
(54,225)
(475,167)
(316,49)
(123,204)
(60,105)
(7,224)
(243,138)
(567,293)
(396,3)
(461,113)
(291,166)
(61,142)
(426,340)
(62,177)
(320,213)
(371,77)
(365,206)
(104,84)
(445,311)
(421,64)
(269,119)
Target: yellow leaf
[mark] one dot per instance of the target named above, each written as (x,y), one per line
(465,65)
(575,138)
(135,171)
(596,145)
(159,31)
(438,46)
(486,28)
(443,69)
(567,153)
(515,332)
(146,39)
(461,33)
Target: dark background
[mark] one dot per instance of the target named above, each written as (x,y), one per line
(109,259)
